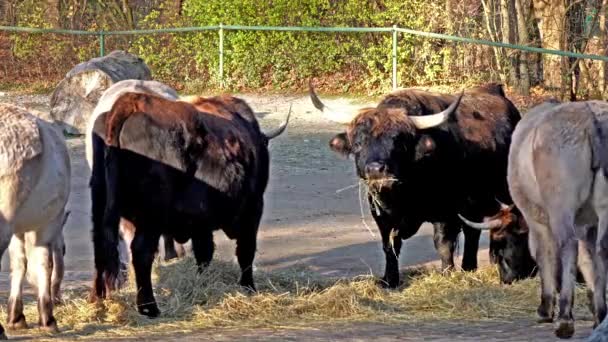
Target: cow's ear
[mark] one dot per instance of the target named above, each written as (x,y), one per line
(426,146)
(340,144)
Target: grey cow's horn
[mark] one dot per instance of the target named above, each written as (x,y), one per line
(496,223)
(330,114)
(277,131)
(434,120)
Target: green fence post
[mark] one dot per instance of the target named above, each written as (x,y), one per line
(102,44)
(221,71)
(394,57)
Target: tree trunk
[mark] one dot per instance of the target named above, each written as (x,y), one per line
(52,13)
(510,60)
(77,94)
(488,11)
(128,12)
(552,20)
(449,57)
(522,31)
(604,46)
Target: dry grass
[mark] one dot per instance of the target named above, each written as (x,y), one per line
(190,301)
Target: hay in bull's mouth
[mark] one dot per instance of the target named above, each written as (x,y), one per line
(191,301)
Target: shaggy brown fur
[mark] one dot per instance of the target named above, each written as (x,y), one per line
(480,113)
(165,112)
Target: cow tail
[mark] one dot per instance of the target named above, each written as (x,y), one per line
(105,217)
(599,148)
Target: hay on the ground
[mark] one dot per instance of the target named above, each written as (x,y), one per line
(189,300)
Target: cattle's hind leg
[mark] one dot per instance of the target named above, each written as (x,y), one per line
(246,242)
(58,269)
(16,319)
(563,229)
(40,267)
(143,248)
(543,244)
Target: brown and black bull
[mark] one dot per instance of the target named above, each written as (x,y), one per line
(426,157)
(191,167)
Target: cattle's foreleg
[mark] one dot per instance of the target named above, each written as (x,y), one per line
(169,244)
(471,246)
(391,245)
(126,234)
(18,261)
(601,267)
(203,247)
(445,238)
(143,248)
(586,256)
(41,268)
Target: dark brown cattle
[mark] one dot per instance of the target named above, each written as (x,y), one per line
(172,165)
(426,157)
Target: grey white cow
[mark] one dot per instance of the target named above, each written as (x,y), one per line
(558,164)
(105,103)
(34,190)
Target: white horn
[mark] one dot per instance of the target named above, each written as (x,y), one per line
(496,223)
(335,116)
(434,120)
(503,206)
(277,131)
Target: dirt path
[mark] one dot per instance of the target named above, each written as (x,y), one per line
(305,223)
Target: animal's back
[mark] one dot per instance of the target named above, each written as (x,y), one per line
(34,168)
(51,189)
(19,138)
(551,159)
(108,98)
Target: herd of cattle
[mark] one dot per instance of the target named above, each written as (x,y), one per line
(184,167)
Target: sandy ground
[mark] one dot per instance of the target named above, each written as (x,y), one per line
(305,222)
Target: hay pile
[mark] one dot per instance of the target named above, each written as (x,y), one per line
(191,301)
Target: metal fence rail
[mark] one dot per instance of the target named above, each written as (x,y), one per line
(222,28)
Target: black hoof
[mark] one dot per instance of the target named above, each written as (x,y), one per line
(564,328)
(150,310)
(388,284)
(250,289)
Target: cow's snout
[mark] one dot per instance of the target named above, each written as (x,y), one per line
(375,170)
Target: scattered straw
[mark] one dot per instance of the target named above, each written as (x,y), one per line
(190,301)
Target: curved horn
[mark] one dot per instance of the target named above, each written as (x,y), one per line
(496,223)
(339,117)
(503,206)
(277,131)
(434,120)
